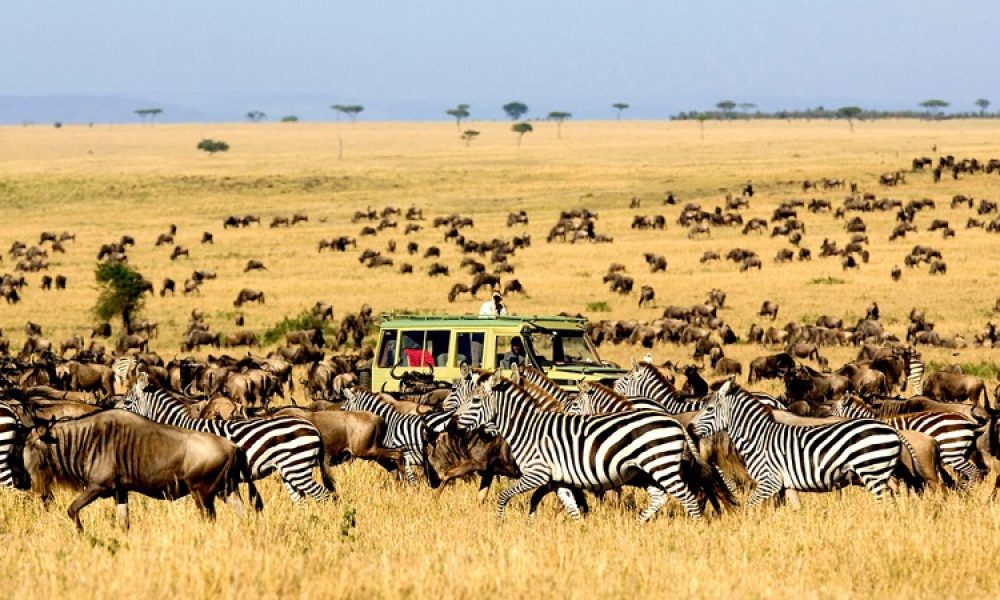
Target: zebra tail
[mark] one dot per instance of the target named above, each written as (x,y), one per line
(916,478)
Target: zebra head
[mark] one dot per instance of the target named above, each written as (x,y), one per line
(462,389)
(481,408)
(628,381)
(137,399)
(351,399)
(583,402)
(714,416)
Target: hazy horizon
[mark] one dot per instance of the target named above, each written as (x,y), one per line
(215,62)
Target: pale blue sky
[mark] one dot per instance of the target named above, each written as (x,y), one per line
(413,59)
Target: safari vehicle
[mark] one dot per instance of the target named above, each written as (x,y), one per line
(558,346)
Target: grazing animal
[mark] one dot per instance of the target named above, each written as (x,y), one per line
(553,449)
(248,295)
(9,428)
(406,432)
(290,446)
(109,454)
(817,458)
(769,309)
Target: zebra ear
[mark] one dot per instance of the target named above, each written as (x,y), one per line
(466,371)
(515,374)
(635,365)
(142,378)
(584,386)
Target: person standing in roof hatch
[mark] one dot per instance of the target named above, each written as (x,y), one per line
(493,307)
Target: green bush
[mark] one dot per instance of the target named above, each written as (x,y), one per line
(599,306)
(213,146)
(305,320)
(826,281)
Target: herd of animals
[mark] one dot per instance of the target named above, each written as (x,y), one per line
(112,422)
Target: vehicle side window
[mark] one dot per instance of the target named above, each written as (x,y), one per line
(388,354)
(510,351)
(413,353)
(437,345)
(470,349)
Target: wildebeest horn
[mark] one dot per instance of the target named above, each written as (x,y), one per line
(392,372)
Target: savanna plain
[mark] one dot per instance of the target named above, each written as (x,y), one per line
(384,539)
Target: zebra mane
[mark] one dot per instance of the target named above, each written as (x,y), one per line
(599,389)
(539,398)
(858,403)
(736,393)
(658,375)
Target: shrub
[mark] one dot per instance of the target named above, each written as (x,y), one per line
(213,146)
(826,281)
(599,306)
(305,320)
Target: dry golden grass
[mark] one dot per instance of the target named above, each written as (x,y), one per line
(104,181)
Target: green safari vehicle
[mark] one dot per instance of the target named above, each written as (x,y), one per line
(558,346)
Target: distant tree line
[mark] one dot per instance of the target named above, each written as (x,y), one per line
(933,108)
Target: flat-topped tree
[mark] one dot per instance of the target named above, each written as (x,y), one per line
(256,116)
(520,129)
(619,106)
(459,112)
(934,106)
(726,106)
(850,113)
(351,110)
(559,117)
(150,113)
(983,104)
(468,135)
(515,110)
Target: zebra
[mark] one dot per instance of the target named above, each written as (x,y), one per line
(646,381)
(405,432)
(596,399)
(915,373)
(954,434)
(123,367)
(540,379)
(10,429)
(597,453)
(289,445)
(815,458)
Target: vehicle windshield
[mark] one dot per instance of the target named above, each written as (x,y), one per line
(560,347)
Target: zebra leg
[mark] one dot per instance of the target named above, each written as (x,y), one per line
(667,476)
(293,493)
(877,482)
(657,498)
(968,472)
(568,500)
(411,477)
(528,481)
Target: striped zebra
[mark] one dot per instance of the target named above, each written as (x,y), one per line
(124,367)
(405,432)
(597,399)
(289,445)
(594,453)
(954,434)
(540,379)
(10,427)
(915,373)
(815,458)
(646,381)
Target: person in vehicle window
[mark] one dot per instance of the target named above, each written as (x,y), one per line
(415,355)
(516,354)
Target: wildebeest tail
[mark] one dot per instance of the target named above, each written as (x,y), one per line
(243,473)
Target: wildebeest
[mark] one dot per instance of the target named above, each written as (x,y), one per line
(646,296)
(769,309)
(254,265)
(770,367)
(109,454)
(954,387)
(248,295)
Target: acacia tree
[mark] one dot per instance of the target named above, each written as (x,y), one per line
(520,129)
(151,113)
(256,116)
(351,110)
(121,294)
(726,106)
(459,112)
(934,106)
(468,135)
(983,104)
(850,113)
(559,117)
(746,107)
(515,110)
(620,106)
